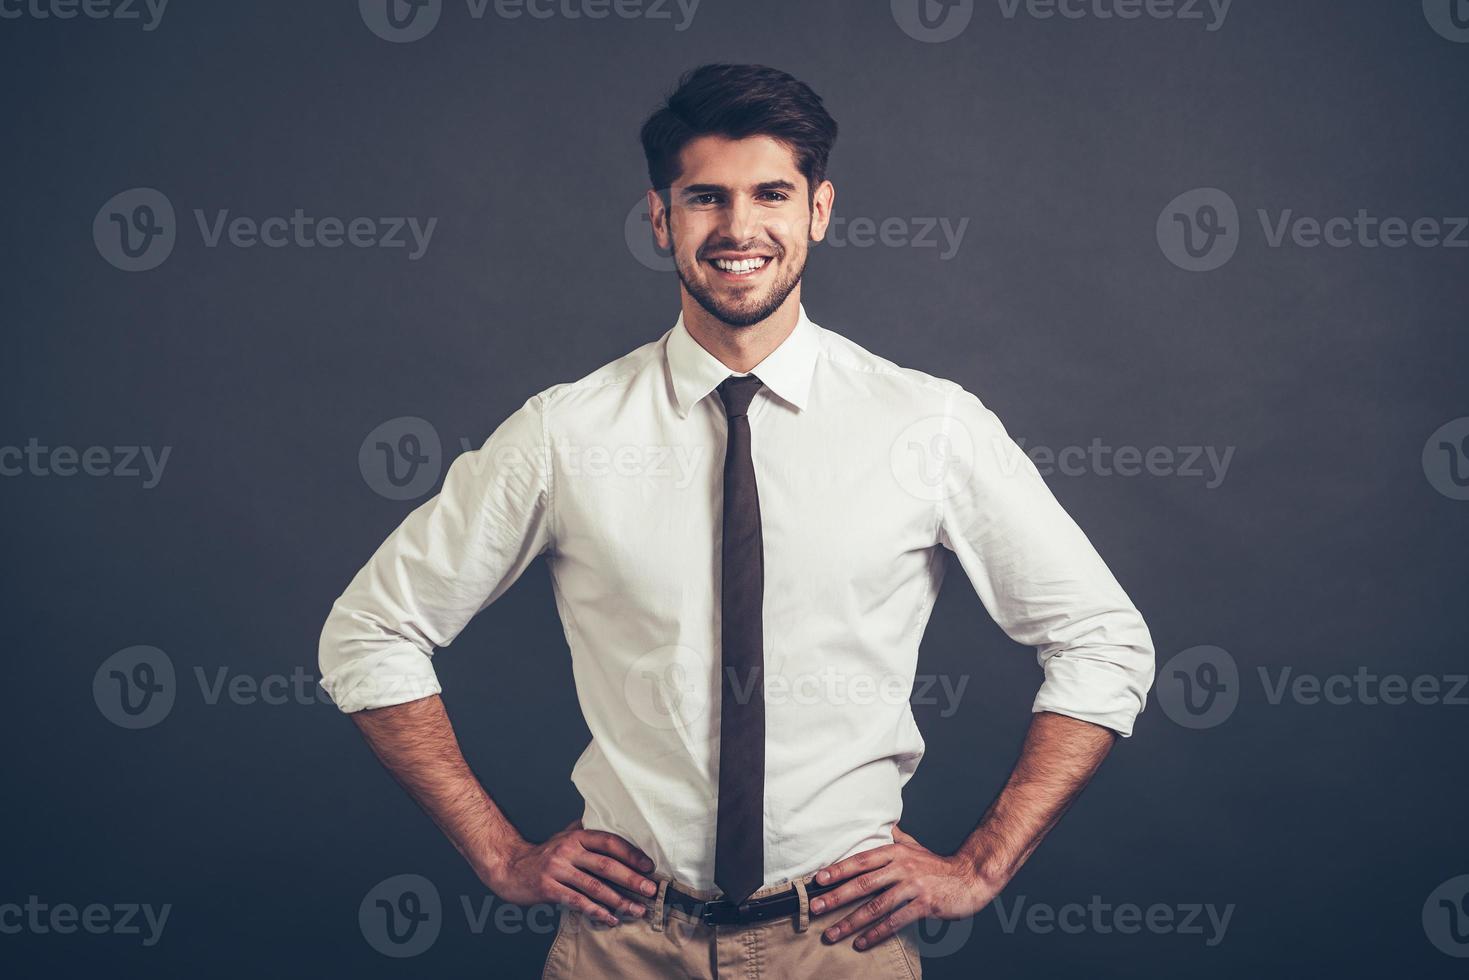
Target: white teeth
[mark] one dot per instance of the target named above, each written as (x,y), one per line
(742,266)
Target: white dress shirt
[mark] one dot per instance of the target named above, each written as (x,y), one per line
(866,473)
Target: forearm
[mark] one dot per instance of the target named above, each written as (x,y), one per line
(416,743)
(1058,759)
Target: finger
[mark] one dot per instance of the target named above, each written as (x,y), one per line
(602,893)
(902,836)
(867,913)
(610,868)
(578,902)
(856,864)
(862,886)
(618,847)
(894,921)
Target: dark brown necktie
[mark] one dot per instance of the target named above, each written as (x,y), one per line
(739,847)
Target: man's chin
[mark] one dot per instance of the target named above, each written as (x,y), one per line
(743,312)
(740,314)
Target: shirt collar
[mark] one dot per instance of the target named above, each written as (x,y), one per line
(786,371)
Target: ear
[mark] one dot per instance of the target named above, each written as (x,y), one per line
(821,205)
(658,217)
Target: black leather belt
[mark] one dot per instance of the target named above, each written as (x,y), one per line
(723,912)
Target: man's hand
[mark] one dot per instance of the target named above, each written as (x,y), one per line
(416,744)
(905,881)
(901,882)
(569,869)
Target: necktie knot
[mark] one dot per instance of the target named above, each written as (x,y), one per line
(737,391)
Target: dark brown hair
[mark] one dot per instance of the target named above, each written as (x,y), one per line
(738,101)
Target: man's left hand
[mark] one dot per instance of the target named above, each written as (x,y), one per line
(901,883)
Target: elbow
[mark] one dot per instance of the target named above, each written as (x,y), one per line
(363,665)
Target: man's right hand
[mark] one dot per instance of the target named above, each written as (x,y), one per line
(416,744)
(568,869)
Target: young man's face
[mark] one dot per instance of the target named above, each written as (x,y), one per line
(738,225)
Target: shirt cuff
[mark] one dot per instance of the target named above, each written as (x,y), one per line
(397,675)
(1100,692)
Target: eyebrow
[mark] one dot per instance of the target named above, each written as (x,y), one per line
(765,185)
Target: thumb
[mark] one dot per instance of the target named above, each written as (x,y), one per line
(574,825)
(903,837)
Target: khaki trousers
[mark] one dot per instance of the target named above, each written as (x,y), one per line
(668,942)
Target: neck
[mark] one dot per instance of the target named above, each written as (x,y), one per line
(741,348)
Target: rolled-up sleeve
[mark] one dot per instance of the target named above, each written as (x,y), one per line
(1038,575)
(451,557)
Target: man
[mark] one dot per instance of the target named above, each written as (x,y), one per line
(744,574)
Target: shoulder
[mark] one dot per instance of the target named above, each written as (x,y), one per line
(861,366)
(608,381)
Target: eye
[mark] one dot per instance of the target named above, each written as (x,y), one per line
(775,195)
(709,198)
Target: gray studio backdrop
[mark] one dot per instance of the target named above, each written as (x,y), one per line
(1206,260)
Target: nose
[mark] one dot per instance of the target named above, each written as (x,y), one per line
(741,223)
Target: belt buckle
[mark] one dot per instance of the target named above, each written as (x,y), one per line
(719,912)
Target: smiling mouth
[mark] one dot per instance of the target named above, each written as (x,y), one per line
(736,269)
